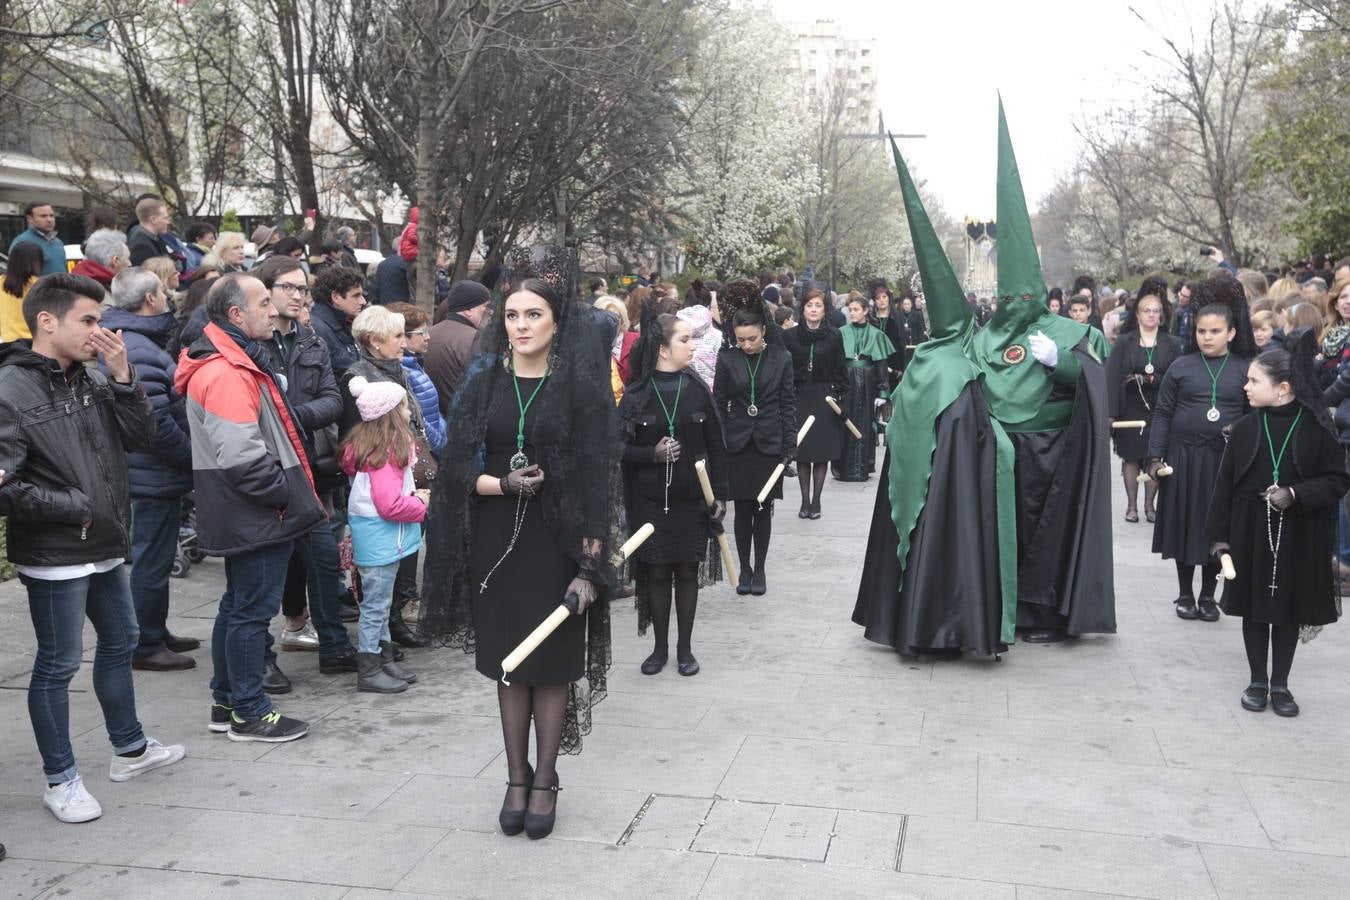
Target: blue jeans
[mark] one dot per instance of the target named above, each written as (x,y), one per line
(253,585)
(1343,531)
(154,543)
(318,552)
(58,610)
(377,595)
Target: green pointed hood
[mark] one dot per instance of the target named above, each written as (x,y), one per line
(948,311)
(1019,264)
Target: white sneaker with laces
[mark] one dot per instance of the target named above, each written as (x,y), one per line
(156,755)
(302,638)
(71,803)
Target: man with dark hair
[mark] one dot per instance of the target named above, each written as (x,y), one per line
(41,218)
(597,288)
(250,472)
(201,237)
(65,429)
(339,295)
(1183,314)
(300,357)
(159,478)
(147,241)
(452,338)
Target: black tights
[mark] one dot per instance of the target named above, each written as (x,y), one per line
(811,479)
(1129,473)
(683,579)
(1283,639)
(756,523)
(1209,576)
(519,703)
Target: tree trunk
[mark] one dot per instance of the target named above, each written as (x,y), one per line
(427,195)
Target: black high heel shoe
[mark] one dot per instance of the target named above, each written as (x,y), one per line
(539,825)
(815,509)
(804,512)
(743,586)
(512,821)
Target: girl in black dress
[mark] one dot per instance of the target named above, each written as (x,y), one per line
(1281,476)
(521,521)
(669,422)
(912,332)
(817,351)
(1201,393)
(886,317)
(1134,371)
(867,350)
(753,391)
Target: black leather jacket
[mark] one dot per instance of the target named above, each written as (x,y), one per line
(774,430)
(64,438)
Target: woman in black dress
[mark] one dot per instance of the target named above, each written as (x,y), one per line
(1134,371)
(1200,395)
(1281,476)
(521,521)
(817,351)
(669,422)
(866,352)
(886,316)
(753,391)
(912,332)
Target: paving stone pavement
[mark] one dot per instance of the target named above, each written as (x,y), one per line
(802,762)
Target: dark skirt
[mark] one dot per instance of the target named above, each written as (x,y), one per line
(1129,443)
(859,459)
(681,534)
(1183,502)
(529,584)
(748,470)
(825,441)
(1307,592)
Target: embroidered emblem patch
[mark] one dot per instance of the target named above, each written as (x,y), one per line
(1014,354)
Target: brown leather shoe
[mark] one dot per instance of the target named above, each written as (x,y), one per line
(163,661)
(181,644)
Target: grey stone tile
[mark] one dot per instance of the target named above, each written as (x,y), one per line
(799,832)
(372,894)
(711,681)
(470,865)
(734,826)
(1307,816)
(1155,705)
(125,831)
(853,776)
(1164,868)
(1288,754)
(1120,799)
(1024,892)
(670,823)
(865,840)
(913,690)
(118,883)
(1242,874)
(257,843)
(735,878)
(890,724)
(392,740)
(621,757)
(647,711)
(272,785)
(24,879)
(1039,738)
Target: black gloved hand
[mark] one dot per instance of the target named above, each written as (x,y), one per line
(718,511)
(1279,497)
(1219,548)
(580,595)
(667,450)
(524,481)
(1152,466)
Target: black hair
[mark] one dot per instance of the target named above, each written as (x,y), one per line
(286,246)
(332,245)
(1055,294)
(335,280)
(35,204)
(782,314)
(198,230)
(100,217)
(1296,364)
(196,296)
(1152,286)
(56,294)
(1216,309)
(596,285)
(747,317)
(543,288)
(272,268)
(1227,291)
(1078,300)
(1084,282)
(25,262)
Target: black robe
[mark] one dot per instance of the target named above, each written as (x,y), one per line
(951,597)
(1314,468)
(1129,399)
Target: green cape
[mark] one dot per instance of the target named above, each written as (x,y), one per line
(866,340)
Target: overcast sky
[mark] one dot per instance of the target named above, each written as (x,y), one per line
(942,65)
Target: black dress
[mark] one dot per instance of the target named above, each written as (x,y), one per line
(818,371)
(1192,445)
(682,528)
(531,582)
(1314,467)
(756,444)
(1132,391)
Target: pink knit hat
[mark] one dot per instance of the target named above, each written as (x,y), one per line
(375,398)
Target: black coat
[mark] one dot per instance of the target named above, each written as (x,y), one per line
(1337,396)
(64,438)
(774,430)
(311,393)
(143,245)
(1314,468)
(330,324)
(826,365)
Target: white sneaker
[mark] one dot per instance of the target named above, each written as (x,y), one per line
(156,755)
(70,802)
(302,638)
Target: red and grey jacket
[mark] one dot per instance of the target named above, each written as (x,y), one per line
(252,481)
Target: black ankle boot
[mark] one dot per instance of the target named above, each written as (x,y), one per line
(1186,608)
(540,825)
(758,586)
(743,586)
(401,633)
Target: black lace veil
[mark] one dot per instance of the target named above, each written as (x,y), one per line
(581,500)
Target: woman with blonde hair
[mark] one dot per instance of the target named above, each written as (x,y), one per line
(227,255)
(1335,336)
(624,339)
(1282,286)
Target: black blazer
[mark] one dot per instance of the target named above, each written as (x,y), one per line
(774,430)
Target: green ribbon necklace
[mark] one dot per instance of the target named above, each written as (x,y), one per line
(519,460)
(1276,459)
(752,410)
(1275,531)
(1213,414)
(670,427)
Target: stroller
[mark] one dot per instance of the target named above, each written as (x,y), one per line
(188,551)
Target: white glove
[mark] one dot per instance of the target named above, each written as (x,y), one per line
(1044,349)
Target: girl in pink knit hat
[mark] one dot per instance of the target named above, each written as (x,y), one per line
(385,515)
